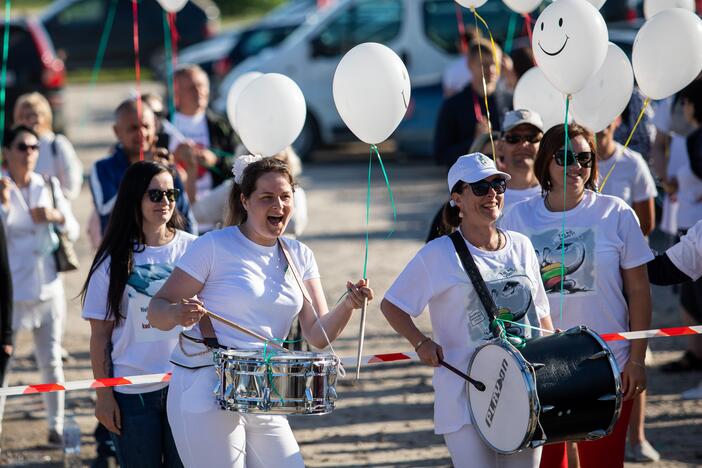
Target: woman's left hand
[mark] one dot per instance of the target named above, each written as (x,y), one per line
(357,293)
(633,380)
(42,215)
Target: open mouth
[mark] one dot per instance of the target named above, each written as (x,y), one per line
(554,53)
(275,221)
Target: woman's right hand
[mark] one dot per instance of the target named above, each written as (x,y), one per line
(107,410)
(4,191)
(188,312)
(430,353)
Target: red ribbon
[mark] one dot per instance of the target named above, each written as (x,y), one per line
(137,68)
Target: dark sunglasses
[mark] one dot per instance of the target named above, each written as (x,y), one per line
(513,139)
(156,195)
(482,187)
(568,157)
(26,147)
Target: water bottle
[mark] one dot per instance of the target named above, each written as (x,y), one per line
(71,443)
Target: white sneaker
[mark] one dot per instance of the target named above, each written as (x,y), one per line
(693,393)
(643,452)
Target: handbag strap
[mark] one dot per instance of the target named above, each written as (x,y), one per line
(476,278)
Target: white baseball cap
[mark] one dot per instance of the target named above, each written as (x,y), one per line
(522,116)
(471,168)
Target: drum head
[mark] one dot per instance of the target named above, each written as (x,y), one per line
(505,413)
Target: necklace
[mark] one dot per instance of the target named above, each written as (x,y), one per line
(500,238)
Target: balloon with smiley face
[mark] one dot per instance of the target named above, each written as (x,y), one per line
(570,43)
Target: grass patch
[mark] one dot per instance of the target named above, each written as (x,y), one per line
(107,75)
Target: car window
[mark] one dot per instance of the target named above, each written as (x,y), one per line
(86,11)
(256,41)
(24,53)
(366,21)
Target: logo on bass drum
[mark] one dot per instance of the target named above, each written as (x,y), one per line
(494,400)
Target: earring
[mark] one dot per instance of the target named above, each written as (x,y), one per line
(460,214)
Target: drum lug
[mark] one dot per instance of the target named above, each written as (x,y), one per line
(331,394)
(598,434)
(547,408)
(537,443)
(608,397)
(265,404)
(602,354)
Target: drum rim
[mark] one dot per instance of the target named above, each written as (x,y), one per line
(257,353)
(529,377)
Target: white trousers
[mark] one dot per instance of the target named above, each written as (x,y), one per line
(208,437)
(469,451)
(45,320)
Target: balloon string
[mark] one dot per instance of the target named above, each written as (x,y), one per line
(170,65)
(461,30)
(137,66)
(102,48)
(511,29)
(3,76)
(476,16)
(175,37)
(527,23)
(387,184)
(561,296)
(368,195)
(628,140)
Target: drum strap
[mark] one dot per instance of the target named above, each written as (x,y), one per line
(476,278)
(208,333)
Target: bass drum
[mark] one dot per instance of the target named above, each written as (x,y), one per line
(565,386)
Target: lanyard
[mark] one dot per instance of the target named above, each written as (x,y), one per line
(476,108)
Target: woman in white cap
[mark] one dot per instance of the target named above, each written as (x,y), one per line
(436,278)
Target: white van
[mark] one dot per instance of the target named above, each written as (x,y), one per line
(422,32)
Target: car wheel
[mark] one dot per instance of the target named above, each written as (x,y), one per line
(308,140)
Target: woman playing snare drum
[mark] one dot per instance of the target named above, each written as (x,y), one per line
(239,273)
(436,278)
(604,258)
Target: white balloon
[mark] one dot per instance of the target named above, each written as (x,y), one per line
(667,53)
(522,6)
(173,6)
(235,91)
(597,3)
(471,3)
(607,93)
(570,43)
(535,93)
(653,7)
(270,114)
(371,91)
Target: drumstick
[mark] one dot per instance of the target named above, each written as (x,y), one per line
(477,384)
(361,334)
(246,331)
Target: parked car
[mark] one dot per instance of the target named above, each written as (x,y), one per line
(32,65)
(75,26)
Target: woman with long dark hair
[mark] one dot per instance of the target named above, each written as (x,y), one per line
(242,273)
(142,242)
(592,255)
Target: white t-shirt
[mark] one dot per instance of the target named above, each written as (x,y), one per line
(631,179)
(602,235)
(436,278)
(193,127)
(689,195)
(514,196)
(138,348)
(248,283)
(687,254)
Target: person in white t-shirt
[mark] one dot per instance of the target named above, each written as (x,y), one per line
(522,131)
(629,176)
(240,273)
(142,243)
(596,241)
(436,278)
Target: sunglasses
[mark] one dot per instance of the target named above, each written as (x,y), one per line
(26,147)
(568,157)
(513,139)
(156,195)
(482,187)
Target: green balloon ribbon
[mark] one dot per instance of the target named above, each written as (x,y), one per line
(268,354)
(169,65)
(511,28)
(561,296)
(374,150)
(3,76)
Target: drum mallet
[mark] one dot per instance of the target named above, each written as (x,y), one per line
(362,333)
(477,384)
(245,330)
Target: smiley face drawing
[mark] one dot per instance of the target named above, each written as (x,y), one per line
(570,43)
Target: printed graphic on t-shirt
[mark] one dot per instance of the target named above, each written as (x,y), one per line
(142,284)
(511,291)
(577,261)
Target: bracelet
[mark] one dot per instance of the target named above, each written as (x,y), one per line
(637,364)
(421,342)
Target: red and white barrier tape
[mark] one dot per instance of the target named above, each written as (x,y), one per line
(350,361)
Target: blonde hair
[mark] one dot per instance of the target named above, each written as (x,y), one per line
(40,104)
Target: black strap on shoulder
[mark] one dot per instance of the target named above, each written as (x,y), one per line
(476,278)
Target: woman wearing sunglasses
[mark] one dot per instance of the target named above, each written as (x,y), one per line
(142,242)
(596,241)
(435,278)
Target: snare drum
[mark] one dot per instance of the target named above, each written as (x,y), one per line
(560,387)
(294,383)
